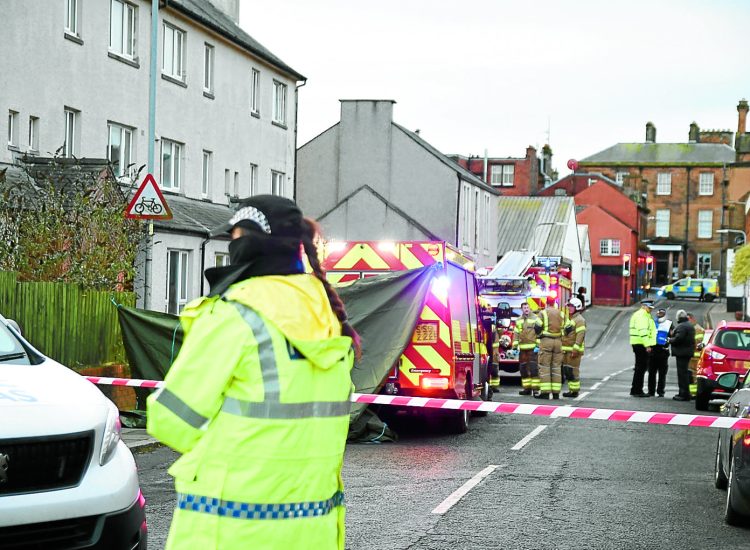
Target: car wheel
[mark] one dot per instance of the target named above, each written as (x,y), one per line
(701,401)
(670,295)
(457,422)
(485,394)
(720,479)
(709,298)
(731,515)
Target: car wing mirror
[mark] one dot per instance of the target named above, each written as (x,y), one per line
(728,380)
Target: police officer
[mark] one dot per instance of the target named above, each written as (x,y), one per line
(572,341)
(693,366)
(526,343)
(549,327)
(642,340)
(659,360)
(257,400)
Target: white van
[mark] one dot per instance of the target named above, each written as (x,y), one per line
(67,481)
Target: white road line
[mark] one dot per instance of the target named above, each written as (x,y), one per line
(535,432)
(584,394)
(459,493)
(606,378)
(595,386)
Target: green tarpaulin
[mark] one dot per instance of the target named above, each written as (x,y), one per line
(383,309)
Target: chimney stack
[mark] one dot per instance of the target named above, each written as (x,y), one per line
(230,8)
(742,119)
(694,133)
(650,132)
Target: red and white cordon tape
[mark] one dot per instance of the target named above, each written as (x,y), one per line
(552,411)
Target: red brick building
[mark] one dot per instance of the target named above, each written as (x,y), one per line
(615,221)
(512,176)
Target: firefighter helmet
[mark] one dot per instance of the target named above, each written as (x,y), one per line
(576,303)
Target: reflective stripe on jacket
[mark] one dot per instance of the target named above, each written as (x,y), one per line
(699,332)
(642,329)
(261,415)
(573,337)
(551,321)
(524,330)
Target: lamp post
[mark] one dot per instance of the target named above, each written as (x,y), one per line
(744,285)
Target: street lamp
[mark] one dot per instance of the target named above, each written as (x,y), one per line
(744,285)
(744,235)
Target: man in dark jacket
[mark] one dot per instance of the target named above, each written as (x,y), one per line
(683,346)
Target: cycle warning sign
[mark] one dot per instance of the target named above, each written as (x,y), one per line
(148,203)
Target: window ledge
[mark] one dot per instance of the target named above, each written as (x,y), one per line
(279,124)
(173,80)
(256,114)
(73,38)
(209,95)
(15,148)
(122,59)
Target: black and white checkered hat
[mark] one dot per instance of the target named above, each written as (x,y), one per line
(268,214)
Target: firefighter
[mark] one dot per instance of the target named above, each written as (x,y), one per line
(488,324)
(549,327)
(573,338)
(257,400)
(693,366)
(525,341)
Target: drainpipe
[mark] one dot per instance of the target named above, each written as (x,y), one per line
(203,260)
(687,222)
(296,110)
(485,166)
(458,210)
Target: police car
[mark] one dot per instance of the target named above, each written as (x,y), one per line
(66,478)
(691,288)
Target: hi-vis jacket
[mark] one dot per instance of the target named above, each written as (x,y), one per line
(642,329)
(525,335)
(258,403)
(574,334)
(550,322)
(699,332)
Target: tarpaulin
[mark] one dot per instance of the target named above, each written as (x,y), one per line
(383,309)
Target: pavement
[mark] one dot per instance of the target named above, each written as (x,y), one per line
(719,313)
(598,320)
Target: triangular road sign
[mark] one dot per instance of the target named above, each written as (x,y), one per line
(148,203)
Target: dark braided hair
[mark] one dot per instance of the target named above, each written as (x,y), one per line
(311,231)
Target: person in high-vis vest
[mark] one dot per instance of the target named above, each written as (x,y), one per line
(573,338)
(693,366)
(526,342)
(257,400)
(642,340)
(659,361)
(549,326)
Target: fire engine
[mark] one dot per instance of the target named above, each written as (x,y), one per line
(447,355)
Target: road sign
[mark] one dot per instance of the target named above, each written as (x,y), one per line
(148,203)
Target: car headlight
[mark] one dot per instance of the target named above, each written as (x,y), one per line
(111,435)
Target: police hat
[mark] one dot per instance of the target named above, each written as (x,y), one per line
(662,310)
(648,303)
(269,214)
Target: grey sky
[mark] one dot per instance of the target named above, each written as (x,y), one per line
(484,74)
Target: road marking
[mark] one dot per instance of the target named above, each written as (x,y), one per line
(606,378)
(459,493)
(584,394)
(596,386)
(518,446)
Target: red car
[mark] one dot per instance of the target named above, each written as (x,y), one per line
(727,350)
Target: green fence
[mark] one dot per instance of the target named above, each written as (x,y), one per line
(73,325)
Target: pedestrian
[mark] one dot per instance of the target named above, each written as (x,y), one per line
(549,327)
(659,360)
(572,341)
(693,366)
(581,295)
(701,298)
(683,347)
(526,342)
(642,339)
(257,400)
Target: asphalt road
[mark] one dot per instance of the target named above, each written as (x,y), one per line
(545,483)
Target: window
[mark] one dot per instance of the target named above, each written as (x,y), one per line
(664,184)
(279,102)
(561,193)
(206,174)
(33,133)
(177,280)
(620,177)
(277,183)
(119,148)
(465,215)
(496,174)
(487,225)
(171,169)
(705,224)
(70,146)
(236,184)
(477,218)
(122,29)
(704,264)
(255,92)
(706,184)
(208,69)
(253,179)
(221,259)
(174,52)
(226,182)
(662,223)
(71,17)
(609,247)
(12,129)
(502,174)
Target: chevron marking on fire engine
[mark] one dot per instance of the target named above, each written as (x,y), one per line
(407,258)
(552,411)
(361,252)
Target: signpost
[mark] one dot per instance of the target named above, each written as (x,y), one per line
(148,203)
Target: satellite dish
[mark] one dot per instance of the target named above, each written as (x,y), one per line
(573,164)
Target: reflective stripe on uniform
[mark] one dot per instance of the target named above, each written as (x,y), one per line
(246,510)
(276,410)
(268,368)
(183,411)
